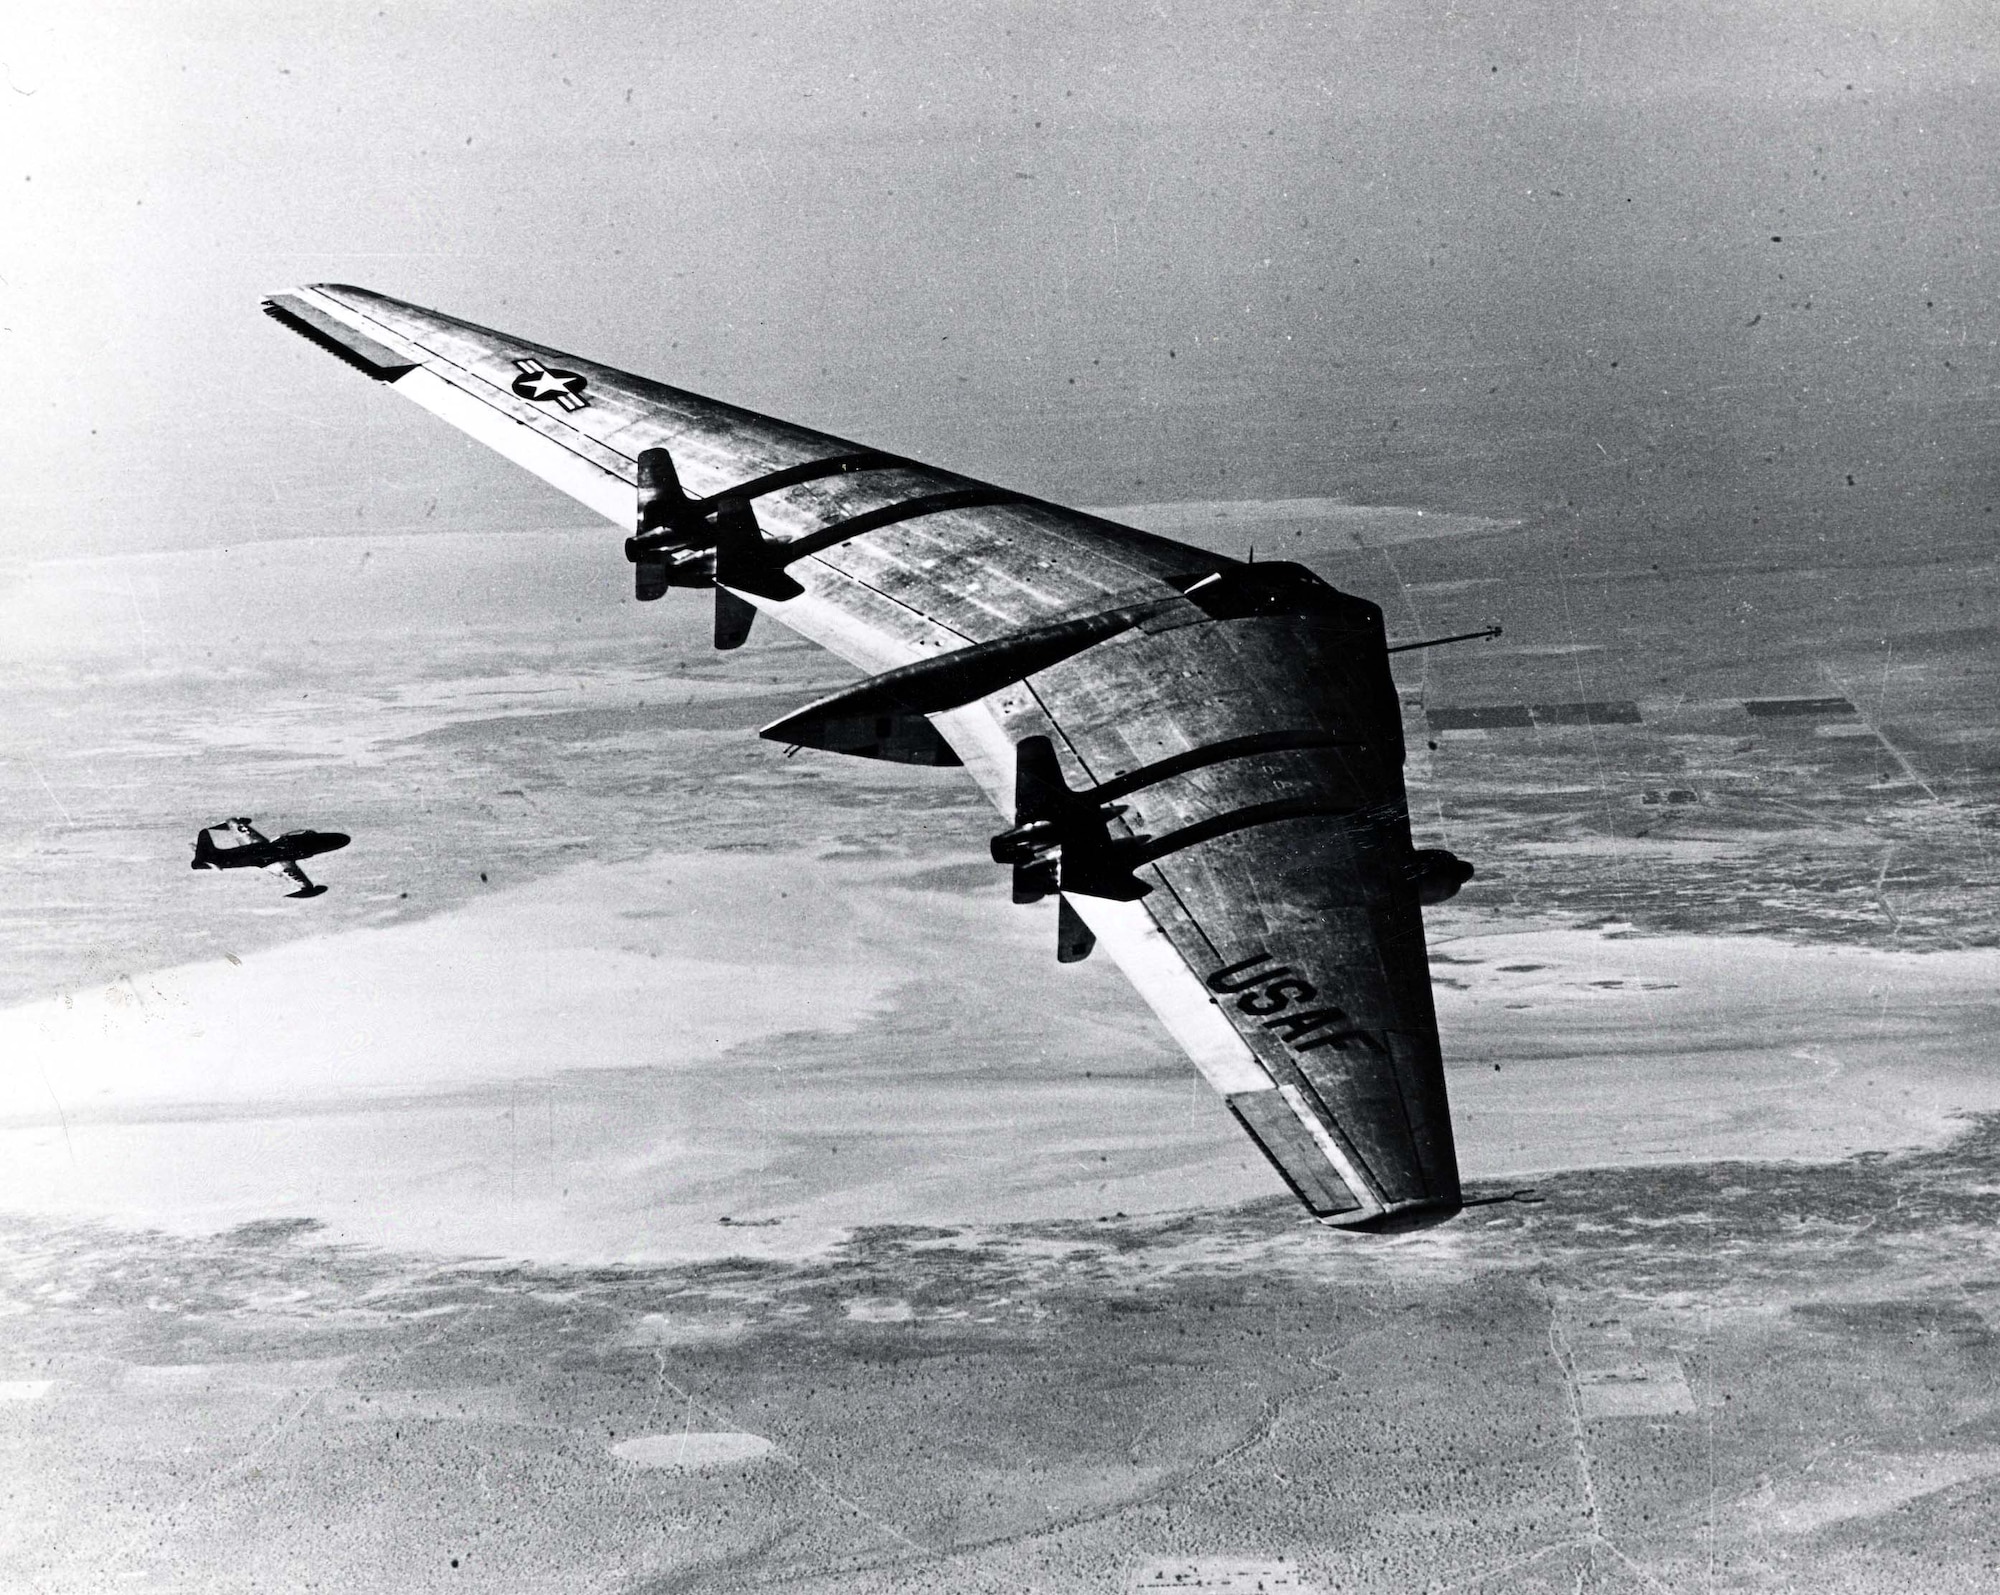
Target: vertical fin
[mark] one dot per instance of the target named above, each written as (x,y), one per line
(1039,795)
(662,505)
(661,501)
(733,616)
(1040,792)
(1074,939)
(649,579)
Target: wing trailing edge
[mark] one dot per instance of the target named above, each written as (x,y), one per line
(339,339)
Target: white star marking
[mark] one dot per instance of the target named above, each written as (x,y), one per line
(541,385)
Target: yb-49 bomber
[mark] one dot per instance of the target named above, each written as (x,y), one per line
(1201,759)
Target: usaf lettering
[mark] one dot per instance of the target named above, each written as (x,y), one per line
(1267,992)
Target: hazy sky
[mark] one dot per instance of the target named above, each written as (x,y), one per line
(1116,253)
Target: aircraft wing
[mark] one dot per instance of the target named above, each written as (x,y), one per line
(244,829)
(289,868)
(1230,739)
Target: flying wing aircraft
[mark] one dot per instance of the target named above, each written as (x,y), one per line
(251,849)
(1201,758)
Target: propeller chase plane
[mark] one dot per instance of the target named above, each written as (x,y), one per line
(1201,759)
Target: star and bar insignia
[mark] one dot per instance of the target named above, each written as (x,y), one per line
(540,383)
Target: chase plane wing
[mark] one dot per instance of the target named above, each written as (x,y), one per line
(290,870)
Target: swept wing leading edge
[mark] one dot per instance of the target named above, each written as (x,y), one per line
(1222,762)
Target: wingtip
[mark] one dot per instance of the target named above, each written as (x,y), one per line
(1398,1220)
